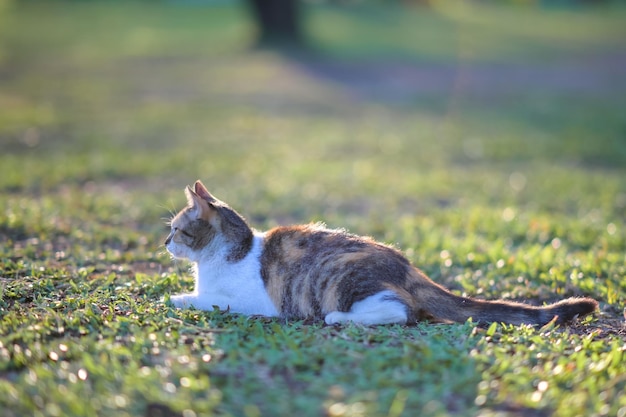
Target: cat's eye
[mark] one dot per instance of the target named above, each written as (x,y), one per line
(185,233)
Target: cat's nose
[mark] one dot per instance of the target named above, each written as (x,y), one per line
(169,238)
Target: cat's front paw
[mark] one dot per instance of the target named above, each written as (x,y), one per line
(182,301)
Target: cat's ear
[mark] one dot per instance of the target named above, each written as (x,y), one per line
(203,193)
(201,207)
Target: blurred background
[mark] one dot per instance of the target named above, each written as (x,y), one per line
(351,106)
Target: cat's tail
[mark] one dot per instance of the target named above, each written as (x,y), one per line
(436,302)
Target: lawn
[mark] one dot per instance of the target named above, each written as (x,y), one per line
(488,143)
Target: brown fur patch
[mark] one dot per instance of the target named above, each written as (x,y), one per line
(330,298)
(274,287)
(351,257)
(292,249)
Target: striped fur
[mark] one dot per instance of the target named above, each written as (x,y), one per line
(310,271)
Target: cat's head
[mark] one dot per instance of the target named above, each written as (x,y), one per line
(207,227)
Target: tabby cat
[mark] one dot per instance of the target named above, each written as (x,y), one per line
(309,271)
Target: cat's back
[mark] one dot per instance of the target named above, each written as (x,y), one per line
(296,243)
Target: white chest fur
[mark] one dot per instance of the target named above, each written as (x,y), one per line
(237,286)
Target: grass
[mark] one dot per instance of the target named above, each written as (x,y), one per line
(507,188)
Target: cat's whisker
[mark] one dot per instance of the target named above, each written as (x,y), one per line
(172,214)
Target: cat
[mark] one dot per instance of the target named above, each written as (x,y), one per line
(312,272)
